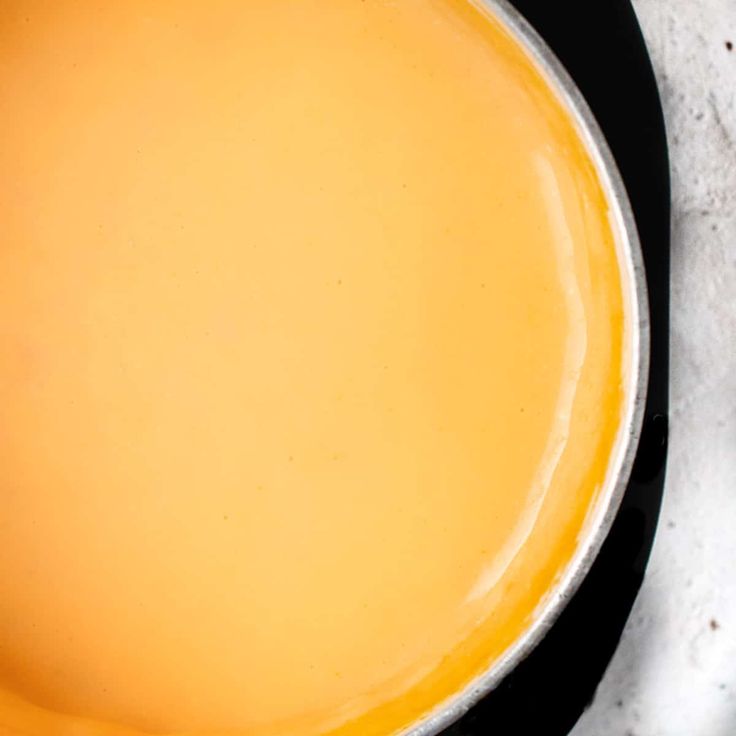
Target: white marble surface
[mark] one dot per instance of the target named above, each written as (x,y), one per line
(675,672)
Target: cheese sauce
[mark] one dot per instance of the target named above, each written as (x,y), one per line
(311,361)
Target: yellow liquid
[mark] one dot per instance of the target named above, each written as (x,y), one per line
(311,361)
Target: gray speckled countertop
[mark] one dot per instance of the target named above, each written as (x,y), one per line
(675,671)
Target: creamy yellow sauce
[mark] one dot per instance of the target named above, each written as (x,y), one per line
(311,361)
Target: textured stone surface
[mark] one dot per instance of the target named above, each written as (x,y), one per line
(675,672)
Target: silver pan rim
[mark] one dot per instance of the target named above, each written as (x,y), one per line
(622,459)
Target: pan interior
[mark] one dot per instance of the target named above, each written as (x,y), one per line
(312,361)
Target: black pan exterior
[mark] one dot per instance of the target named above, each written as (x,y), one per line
(601,46)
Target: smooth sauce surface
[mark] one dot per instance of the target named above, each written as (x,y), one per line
(311,334)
